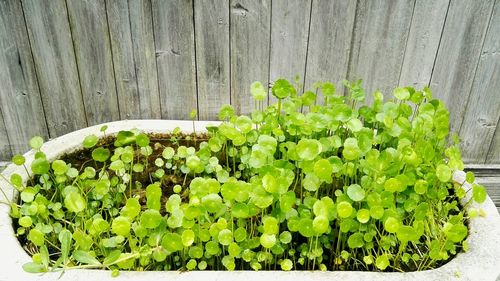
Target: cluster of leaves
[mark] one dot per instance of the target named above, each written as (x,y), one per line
(314,182)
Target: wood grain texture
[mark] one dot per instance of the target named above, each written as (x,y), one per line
(212,56)
(249,35)
(329,41)
(379,42)
(131,35)
(493,156)
(458,55)
(20,99)
(54,57)
(141,27)
(89,28)
(423,42)
(483,110)
(289,36)
(5,151)
(175,57)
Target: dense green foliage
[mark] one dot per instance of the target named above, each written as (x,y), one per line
(317,181)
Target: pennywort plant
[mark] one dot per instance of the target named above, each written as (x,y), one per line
(297,185)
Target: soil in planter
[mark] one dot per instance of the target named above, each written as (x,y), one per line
(83,158)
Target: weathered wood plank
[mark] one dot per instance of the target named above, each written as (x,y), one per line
(141,27)
(132,44)
(329,41)
(379,42)
(493,156)
(249,35)
(20,99)
(89,28)
(423,42)
(458,55)
(54,57)
(175,57)
(289,35)
(483,110)
(212,56)
(5,151)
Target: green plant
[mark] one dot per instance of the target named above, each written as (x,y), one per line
(296,185)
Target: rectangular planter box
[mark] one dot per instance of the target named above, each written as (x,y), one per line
(481,262)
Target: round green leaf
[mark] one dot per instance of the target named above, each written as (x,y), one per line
(382,262)
(421,186)
(363,215)
(267,240)
(406,233)
(120,226)
(37,237)
(258,91)
(457,233)
(356,240)
(344,209)
(131,209)
(75,202)
(187,237)
(40,166)
(151,219)
(36,142)
(320,224)
(479,193)
(18,160)
(100,154)
(244,124)
(354,125)
(311,182)
(356,192)
(391,225)
(351,149)
(401,93)
(90,141)
(308,149)
(323,169)
(286,265)
(225,237)
(142,140)
(443,173)
(306,227)
(282,89)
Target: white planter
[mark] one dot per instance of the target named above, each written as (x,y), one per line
(481,262)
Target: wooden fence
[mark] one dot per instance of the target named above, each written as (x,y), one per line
(68,64)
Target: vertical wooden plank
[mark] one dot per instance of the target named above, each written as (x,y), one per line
(175,57)
(379,42)
(55,65)
(141,27)
(132,44)
(5,151)
(212,56)
(493,156)
(483,110)
(329,41)
(289,35)
(123,58)
(458,55)
(249,35)
(423,42)
(20,99)
(89,28)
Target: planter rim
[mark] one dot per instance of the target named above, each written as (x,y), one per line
(481,262)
